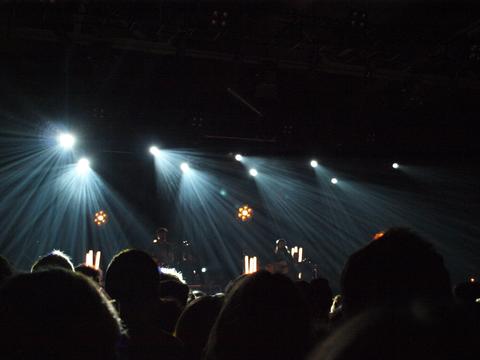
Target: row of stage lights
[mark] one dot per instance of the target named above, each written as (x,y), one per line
(155,151)
(67,142)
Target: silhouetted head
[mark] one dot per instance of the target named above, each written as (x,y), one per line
(169,310)
(174,289)
(132,277)
(56,314)
(196,321)
(394,270)
(263,315)
(416,332)
(322,297)
(90,272)
(55,259)
(6,269)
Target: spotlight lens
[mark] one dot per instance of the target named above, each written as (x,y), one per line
(83,165)
(238,157)
(185,167)
(204,270)
(66,141)
(314,163)
(334,181)
(253,172)
(395,165)
(155,151)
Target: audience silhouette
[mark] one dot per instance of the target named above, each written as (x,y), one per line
(396,302)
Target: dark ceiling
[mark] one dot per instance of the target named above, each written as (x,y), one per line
(358,77)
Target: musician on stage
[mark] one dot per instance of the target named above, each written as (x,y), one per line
(283,261)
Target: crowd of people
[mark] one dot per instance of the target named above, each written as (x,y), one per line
(396,302)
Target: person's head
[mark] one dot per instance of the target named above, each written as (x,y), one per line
(174,289)
(6,269)
(55,259)
(196,321)
(395,269)
(263,314)
(322,297)
(416,332)
(56,314)
(280,244)
(90,272)
(132,277)
(169,310)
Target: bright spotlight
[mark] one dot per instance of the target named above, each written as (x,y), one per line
(395,165)
(185,167)
(238,157)
(155,151)
(334,181)
(314,163)
(204,269)
(66,141)
(83,165)
(253,172)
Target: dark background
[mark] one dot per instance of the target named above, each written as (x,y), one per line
(372,81)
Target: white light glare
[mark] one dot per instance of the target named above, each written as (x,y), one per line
(238,157)
(155,151)
(334,181)
(185,167)
(83,165)
(66,140)
(395,165)
(253,172)
(314,163)
(204,270)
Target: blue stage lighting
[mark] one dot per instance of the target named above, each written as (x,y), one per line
(334,181)
(66,141)
(83,165)
(314,163)
(238,157)
(395,165)
(253,172)
(155,151)
(185,167)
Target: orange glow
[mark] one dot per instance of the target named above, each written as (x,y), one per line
(245,213)
(378,235)
(101,218)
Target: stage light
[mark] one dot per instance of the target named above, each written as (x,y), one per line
(83,165)
(314,163)
(223,192)
(253,172)
(245,213)
(395,165)
(66,141)
(204,270)
(334,181)
(100,218)
(238,157)
(155,151)
(185,167)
